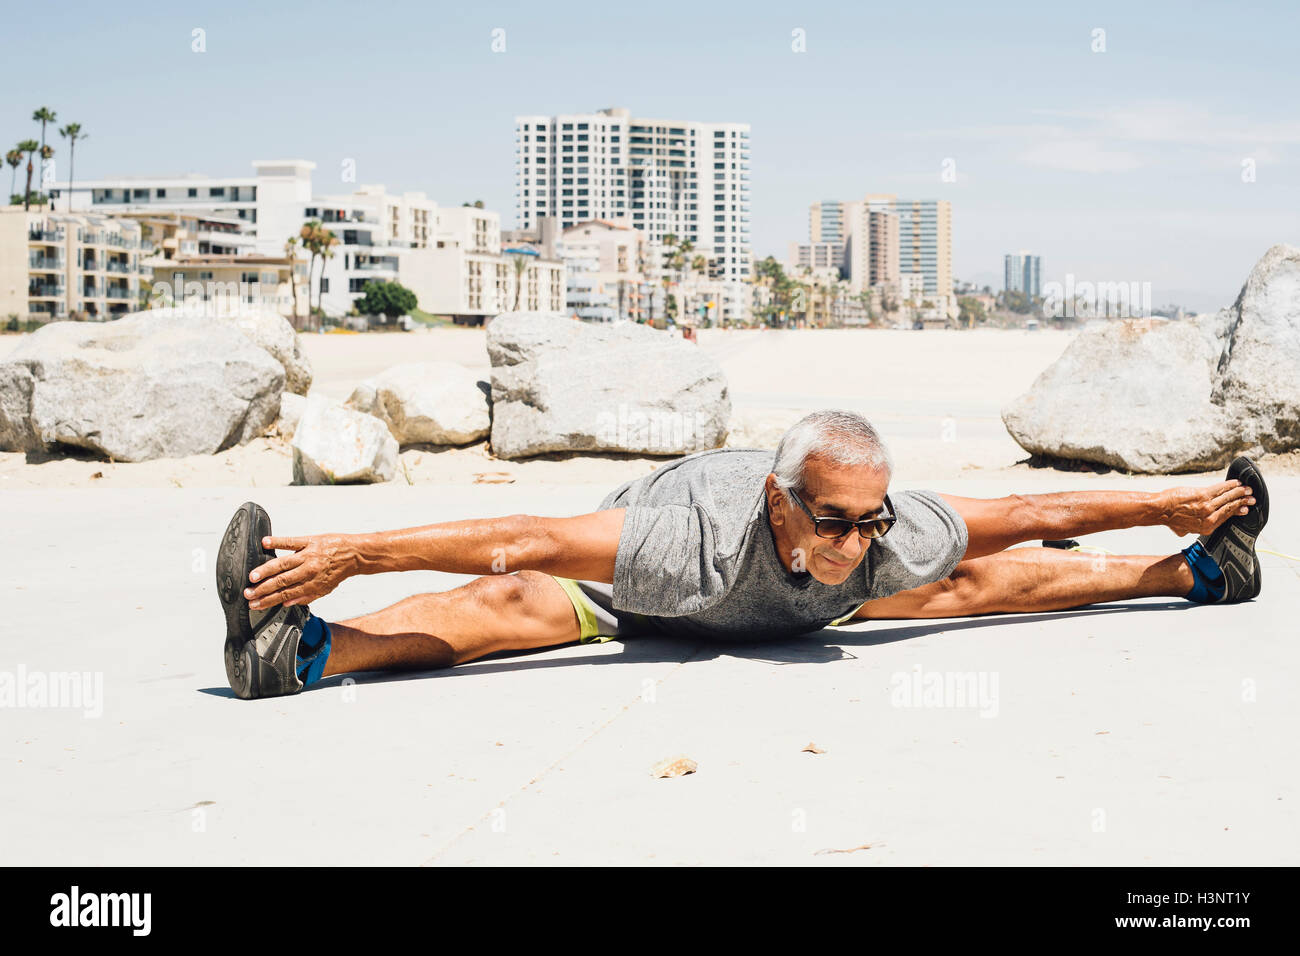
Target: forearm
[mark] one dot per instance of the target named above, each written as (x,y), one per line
(995,524)
(479,546)
(1073,514)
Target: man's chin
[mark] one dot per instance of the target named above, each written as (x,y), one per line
(833,572)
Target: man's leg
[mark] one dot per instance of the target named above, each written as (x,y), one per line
(1036,579)
(995,524)
(495,613)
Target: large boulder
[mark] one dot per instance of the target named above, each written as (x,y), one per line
(333,445)
(562,385)
(291,408)
(142,387)
(269,330)
(1154,396)
(437,403)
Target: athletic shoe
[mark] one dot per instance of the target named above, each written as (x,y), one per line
(1232,544)
(261,645)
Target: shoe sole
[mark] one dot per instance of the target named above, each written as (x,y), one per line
(1230,534)
(241,551)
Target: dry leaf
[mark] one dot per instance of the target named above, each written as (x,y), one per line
(852,849)
(493,478)
(674,767)
(812,748)
(98,474)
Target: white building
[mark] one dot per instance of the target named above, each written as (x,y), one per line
(665,177)
(450,257)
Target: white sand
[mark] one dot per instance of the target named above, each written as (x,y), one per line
(936,397)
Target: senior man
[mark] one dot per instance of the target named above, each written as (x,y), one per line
(729,545)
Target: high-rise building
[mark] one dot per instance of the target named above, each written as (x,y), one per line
(885,237)
(664,177)
(1021,273)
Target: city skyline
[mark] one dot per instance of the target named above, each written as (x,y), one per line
(1155,158)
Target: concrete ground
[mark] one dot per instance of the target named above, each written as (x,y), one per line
(1148,732)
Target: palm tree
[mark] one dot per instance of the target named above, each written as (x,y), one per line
(28,146)
(72,132)
(15,159)
(521,266)
(44,115)
(291,253)
(318,241)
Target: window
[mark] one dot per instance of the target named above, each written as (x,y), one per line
(217,191)
(325,285)
(159,193)
(140,193)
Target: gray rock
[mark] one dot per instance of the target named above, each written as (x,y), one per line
(291,408)
(1157,396)
(142,387)
(333,445)
(426,402)
(269,330)
(562,385)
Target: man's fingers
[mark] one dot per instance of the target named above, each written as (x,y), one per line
(272,590)
(285,544)
(271,568)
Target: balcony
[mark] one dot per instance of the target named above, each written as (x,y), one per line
(45,263)
(45,235)
(115,265)
(45,290)
(117,292)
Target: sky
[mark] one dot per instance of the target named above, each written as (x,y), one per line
(1153,142)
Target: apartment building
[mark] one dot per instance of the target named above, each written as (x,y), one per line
(1022,273)
(175,234)
(61,265)
(464,272)
(605,271)
(816,256)
(886,237)
(228,284)
(665,177)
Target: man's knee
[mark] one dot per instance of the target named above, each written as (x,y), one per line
(531,598)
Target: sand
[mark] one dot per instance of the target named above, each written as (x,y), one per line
(935,396)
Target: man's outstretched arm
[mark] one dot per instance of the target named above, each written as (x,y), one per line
(579,547)
(995,524)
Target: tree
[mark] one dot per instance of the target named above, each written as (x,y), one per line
(44,115)
(15,159)
(476,204)
(72,132)
(318,241)
(391,299)
(520,263)
(28,146)
(970,311)
(291,253)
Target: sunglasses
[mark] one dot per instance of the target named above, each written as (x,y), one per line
(838,527)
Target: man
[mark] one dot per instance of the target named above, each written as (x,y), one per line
(723,545)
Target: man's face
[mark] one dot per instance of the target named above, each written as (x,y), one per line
(830,491)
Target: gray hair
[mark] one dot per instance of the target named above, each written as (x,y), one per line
(840,437)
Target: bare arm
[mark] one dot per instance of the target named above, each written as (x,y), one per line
(997,523)
(579,547)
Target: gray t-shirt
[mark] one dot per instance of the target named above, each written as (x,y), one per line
(697,555)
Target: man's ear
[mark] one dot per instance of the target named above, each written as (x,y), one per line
(774,499)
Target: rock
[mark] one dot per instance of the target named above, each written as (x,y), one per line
(269,330)
(333,445)
(1158,396)
(291,408)
(562,385)
(438,403)
(678,766)
(141,387)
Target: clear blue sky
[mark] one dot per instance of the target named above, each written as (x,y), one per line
(1122,165)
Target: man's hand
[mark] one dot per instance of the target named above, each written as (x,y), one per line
(1200,510)
(318,565)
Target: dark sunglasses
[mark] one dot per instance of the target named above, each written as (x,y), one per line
(838,527)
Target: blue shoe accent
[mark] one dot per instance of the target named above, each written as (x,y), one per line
(1210,582)
(313,651)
